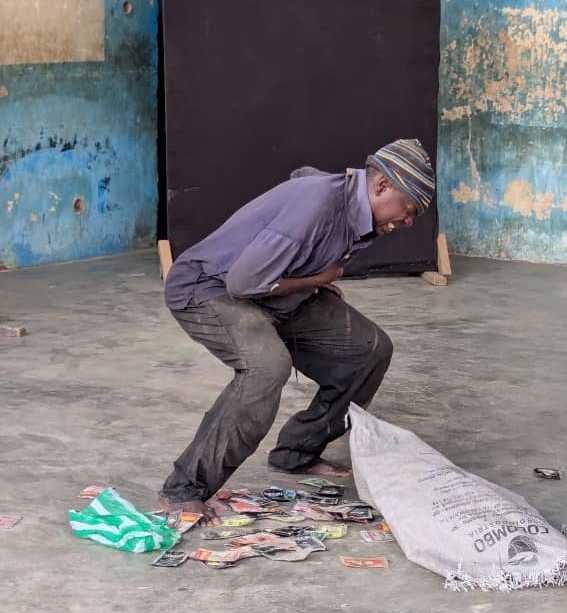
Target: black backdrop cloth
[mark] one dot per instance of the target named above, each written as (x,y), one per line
(256,88)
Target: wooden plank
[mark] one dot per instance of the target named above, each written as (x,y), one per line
(435,278)
(443,261)
(12,330)
(165,258)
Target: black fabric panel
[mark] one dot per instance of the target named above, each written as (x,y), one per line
(256,88)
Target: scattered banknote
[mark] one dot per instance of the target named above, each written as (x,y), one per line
(9,521)
(309,542)
(217,565)
(312,513)
(334,531)
(235,522)
(321,536)
(316,482)
(213,535)
(170,558)
(206,555)
(248,552)
(364,562)
(92,491)
(228,494)
(294,555)
(239,506)
(260,538)
(181,521)
(287,531)
(331,490)
(286,517)
(376,536)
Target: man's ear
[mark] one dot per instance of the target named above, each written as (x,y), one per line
(381,184)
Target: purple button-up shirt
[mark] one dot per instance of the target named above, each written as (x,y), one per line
(297,229)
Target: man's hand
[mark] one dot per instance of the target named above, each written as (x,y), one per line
(330,274)
(295,284)
(335,289)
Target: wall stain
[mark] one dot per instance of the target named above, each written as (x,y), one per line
(502,152)
(511,61)
(86,128)
(522,199)
(464,193)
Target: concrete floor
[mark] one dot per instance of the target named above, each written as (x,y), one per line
(106,389)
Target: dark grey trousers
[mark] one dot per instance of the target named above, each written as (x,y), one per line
(326,339)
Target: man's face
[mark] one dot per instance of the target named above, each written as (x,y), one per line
(391,209)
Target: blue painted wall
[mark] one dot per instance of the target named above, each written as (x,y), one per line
(502,156)
(83,130)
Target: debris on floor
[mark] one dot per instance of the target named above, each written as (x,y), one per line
(9,521)
(237,509)
(547,473)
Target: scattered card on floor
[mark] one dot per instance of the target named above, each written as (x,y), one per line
(170,558)
(9,521)
(364,562)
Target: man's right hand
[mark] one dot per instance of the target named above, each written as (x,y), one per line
(295,284)
(330,274)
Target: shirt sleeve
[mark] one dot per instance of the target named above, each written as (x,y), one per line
(263,263)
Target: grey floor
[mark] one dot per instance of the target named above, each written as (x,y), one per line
(106,389)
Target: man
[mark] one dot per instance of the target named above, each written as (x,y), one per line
(259,294)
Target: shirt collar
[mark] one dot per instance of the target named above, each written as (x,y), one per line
(358,203)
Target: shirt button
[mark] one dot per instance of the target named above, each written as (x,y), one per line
(347,256)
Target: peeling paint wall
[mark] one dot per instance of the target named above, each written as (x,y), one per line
(78,129)
(502,156)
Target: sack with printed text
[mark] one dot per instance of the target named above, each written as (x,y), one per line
(473,532)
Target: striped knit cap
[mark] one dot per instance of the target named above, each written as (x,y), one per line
(406,164)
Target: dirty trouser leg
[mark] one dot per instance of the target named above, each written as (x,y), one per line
(243,336)
(347,355)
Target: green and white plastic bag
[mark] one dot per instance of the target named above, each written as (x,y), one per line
(115,522)
(474,533)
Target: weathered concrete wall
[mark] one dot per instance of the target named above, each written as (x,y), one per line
(78,128)
(502,157)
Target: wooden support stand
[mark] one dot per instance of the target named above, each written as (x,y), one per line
(441,277)
(12,330)
(165,258)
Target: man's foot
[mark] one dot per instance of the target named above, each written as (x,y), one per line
(326,468)
(210,518)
